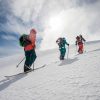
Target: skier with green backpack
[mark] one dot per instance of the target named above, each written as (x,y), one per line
(28,42)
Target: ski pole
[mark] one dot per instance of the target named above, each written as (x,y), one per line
(20,62)
(68,52)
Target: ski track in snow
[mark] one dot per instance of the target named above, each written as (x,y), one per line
(76,78)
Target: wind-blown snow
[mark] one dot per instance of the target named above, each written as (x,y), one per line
(76,78)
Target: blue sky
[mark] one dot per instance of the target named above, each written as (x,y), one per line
(51,19)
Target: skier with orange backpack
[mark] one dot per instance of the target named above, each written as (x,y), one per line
(80,41)
(28,42)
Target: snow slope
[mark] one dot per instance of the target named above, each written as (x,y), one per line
(76,78)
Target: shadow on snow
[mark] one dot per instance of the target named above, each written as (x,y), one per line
(68,61)
(10,80)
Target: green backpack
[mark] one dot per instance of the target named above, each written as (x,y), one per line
(24,41)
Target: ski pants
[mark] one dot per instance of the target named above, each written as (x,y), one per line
(80,50)
(62,52)
(30,57)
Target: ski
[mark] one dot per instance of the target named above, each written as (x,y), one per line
(22,73)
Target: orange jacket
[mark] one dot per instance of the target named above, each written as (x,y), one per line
(32,38)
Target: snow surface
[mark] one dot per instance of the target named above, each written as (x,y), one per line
(76,78)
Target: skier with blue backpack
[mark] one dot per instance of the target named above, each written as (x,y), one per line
(62,46)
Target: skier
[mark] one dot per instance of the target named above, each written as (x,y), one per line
(79,41)
(61,43)
(28,42)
